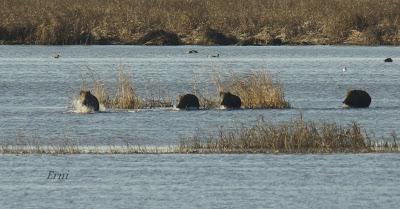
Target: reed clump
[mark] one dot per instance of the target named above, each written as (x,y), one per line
(261,22)
(297,136)
(257,90)
(125,96)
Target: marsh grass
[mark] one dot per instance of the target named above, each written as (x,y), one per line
(297,136)
(293,137)
(125,97)
(260,21)
(257,90)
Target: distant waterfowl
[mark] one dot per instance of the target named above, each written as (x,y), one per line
(214,55)
(344,69)
(57,56)
(192,51)
(389,60)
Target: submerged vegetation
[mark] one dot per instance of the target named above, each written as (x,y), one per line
(297,136)
(209,22)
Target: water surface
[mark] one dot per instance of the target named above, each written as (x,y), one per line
(37,90)
(201,181)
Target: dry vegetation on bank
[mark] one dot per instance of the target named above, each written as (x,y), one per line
(367,22)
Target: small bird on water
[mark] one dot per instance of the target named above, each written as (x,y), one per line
(344,69)
(192,51)
(214,55)
(57,56)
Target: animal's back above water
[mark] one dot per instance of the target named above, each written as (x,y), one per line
(357,99)
(188,102)
(231,101)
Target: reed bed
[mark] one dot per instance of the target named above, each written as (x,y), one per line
(293,137)
(367,22)
(125,96)
(297,136)
(257,90)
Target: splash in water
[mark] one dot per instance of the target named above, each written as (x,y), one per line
(78,107)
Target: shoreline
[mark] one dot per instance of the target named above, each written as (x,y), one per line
(377,148)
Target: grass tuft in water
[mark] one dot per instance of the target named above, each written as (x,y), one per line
(257,90)
(125,97)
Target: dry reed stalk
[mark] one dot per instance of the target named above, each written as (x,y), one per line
(256,90)
(99,91)
(125,97)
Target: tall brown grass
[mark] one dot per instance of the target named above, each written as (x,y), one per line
(257,90)
(125,96)
(254,21)
(297,136)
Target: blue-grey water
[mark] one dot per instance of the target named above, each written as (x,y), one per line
(201,181)
(36,92)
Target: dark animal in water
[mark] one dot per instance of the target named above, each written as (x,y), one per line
(230,100)
(357,99)
(57,56)
(389,60)
(188,102)
(89,100)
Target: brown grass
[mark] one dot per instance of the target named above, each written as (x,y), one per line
(249,21)
(296,136)
(257,90)
(125,97)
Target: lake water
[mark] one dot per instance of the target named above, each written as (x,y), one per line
(201,181)
(36,92)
